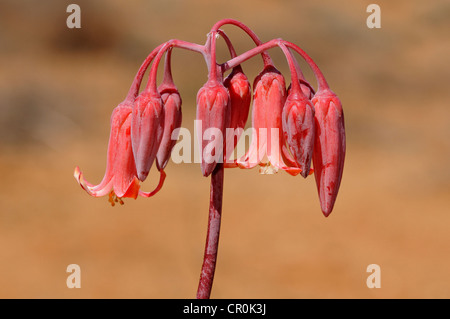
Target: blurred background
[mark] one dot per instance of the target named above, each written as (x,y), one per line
(58,87)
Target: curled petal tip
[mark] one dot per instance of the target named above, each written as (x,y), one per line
(77,173)
(162,178)
(99,190)
(81,181)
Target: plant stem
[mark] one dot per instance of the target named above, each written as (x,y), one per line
(322,83)
(134,89)
(215,72)
(266,58)
(212,236)
(228,43)
(295,84)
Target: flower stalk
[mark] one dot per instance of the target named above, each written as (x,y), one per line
(212,235)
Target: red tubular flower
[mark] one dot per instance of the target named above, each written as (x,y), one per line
(268,101)
(298,128)
(120,179)
(213,110)
(240,96)
(147,127)
(329,147)
(172,120)
(172,113)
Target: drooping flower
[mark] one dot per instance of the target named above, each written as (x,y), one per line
(213,112)
(120,178)
(147,127)
(171,100)
(329,147)
(240,96)
(172,120)
(268,138)
(298,128)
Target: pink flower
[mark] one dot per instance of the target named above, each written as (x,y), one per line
(120,179)
(329,147)
(147,127)
(298,128)
(172,121)
(213,110)
(268,140)
(240,95)
(171,100)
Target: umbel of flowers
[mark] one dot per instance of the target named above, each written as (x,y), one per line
(297,129)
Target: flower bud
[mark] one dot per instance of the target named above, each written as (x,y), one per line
(240,96)
(213,110)
(172,121)
(298,129)
(329,147)
(147,128)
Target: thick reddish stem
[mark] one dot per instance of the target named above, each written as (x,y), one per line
(213,70)
(151,84)
(212,236)
(134,89)
(250,54)
(322,83)
(167,81)
(292,67)
(266,58)
(228,43)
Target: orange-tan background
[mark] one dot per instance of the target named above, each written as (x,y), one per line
(59,86)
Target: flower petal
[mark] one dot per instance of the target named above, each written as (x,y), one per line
(101,189)
(124,165)
(162,177)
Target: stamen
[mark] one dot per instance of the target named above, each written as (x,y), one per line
(113,199)
(267,169)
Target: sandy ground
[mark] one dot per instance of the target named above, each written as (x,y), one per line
(59,86)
